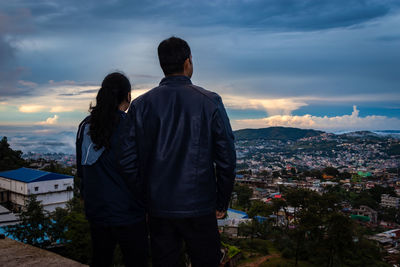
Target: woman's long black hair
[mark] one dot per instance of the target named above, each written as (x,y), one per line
(104,117)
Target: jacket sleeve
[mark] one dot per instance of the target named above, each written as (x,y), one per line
(78,146)
(224,155)
(128,153)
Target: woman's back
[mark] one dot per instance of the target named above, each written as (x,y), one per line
(109,198)
(112,202)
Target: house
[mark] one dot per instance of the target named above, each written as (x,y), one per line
(7,217)
(390,202)
(52,189)
(230,225)
(367,212)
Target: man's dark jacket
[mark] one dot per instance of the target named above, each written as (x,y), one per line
(185,146)
(110,198)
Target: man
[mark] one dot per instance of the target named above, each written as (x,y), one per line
(186,158)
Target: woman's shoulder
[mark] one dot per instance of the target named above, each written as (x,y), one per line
(82,125)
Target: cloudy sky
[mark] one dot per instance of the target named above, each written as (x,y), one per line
(322,64)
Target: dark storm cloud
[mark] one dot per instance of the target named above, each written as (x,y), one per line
(389,38)
(11,25)
(260,47)
(260,14)
(80,92)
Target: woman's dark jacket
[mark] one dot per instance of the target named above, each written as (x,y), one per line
(110,198)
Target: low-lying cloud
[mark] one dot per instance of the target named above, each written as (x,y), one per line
(280,106)
(345,122)
(49,121)
(31,108)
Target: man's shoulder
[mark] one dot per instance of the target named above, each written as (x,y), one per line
(211,96)
(207,94)
(138,100)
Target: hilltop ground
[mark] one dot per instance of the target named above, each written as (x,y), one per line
(13,253)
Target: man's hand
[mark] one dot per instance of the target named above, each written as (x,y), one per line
(220,214)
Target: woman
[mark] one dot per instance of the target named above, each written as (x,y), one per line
(114,210)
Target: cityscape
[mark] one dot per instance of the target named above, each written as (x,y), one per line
(361,169)
(311,90)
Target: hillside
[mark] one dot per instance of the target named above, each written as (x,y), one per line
(275,133)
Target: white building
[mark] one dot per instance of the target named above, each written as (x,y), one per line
(390,202)
(7,217)
(52,189)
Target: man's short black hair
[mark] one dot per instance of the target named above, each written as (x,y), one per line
(172,53)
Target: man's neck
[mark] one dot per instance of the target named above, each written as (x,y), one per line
(176,74)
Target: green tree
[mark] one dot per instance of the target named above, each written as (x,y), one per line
(277,205)
(339,232)
(365,198)
(246,229)
(10,159)
(316,174)
(78,246)
(331,171)
(33,226)
(244,194)
(58,168)
(259,208)
(390,215)
(275,174)
(378,190)
(58,225)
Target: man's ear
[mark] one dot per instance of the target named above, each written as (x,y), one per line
(187,62)
(129,97)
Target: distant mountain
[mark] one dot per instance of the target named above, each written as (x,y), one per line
(361,134)
(389,133)
(275,133)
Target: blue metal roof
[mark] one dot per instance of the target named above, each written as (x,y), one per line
(238,213)
(27,175)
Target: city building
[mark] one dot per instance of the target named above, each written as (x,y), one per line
(7,217)
(51,189)
(368,212)
(230,224)
(390,202)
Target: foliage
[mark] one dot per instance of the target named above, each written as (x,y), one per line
(378,190)
(58,168)
(232,250)
(58,225)
(331,171)
(75,205)
(259,208)
(390,215)
(78,246)
(322,235)
(34,224)
(244,194)
(255,245)
(78,234)
(275,133)
(245,229)
(394,150)
(10,159)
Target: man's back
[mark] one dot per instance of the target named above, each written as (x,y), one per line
(182,130)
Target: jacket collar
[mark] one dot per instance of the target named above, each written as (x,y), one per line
(176,79)
(121,113)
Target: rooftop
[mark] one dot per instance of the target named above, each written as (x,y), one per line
(27,175)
